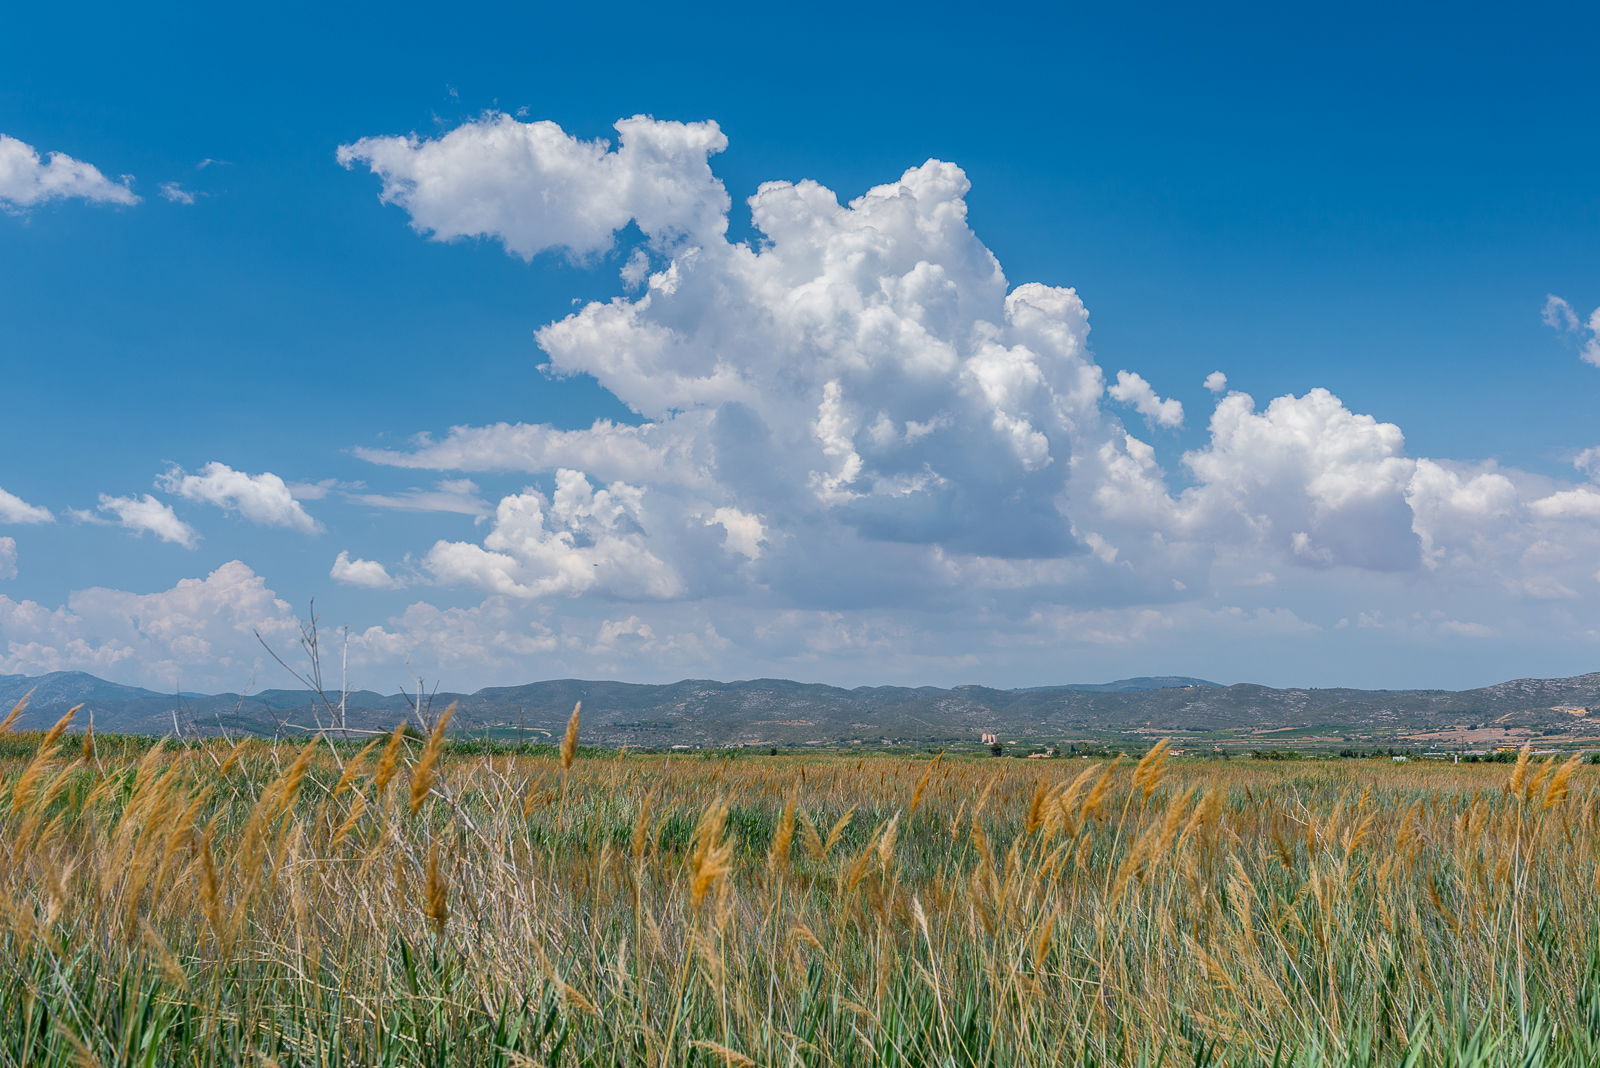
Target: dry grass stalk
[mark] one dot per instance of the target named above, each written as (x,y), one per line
(569,741)
(22,793)
(15,713)
(726,1055)
(86,750)
(423,777)
(389,761)
(436,899)
(353,767)
(52,735)
(710,861)
(922,783)
(778,853)
(1519,774)
(1148,772)
(1560,785)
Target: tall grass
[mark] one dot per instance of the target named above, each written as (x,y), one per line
(228,903)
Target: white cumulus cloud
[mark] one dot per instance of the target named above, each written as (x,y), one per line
(14,509)
(27,179)
(576,540)
(743,533)
(856,409)
(1569,504)
(8,558)
(1130,388)
(263,499)
(534,187)
(143,515)
(1307,475)
(201,632)
(366,574)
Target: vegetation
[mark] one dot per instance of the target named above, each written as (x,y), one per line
(400,903)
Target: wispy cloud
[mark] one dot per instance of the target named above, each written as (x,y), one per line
(177,194)
(1559,315)
(459,496)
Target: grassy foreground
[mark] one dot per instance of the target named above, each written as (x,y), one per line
(415,904)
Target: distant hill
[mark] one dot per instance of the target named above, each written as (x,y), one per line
(1143,682)
(782,712)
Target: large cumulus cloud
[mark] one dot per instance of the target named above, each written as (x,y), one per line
(198,632)
(856,410)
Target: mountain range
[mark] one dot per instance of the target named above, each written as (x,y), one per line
(699,712)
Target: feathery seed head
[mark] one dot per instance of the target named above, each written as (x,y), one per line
(422,778)
(569,742)
(15,713)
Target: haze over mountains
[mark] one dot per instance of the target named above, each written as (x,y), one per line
(781,712)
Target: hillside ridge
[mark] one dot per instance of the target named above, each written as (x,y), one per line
(698,712)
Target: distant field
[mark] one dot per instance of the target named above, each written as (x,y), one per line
(411,903)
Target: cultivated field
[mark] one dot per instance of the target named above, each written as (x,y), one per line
(420,902)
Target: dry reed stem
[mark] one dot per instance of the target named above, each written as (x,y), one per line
(15,713)
(422,778)
(569,741)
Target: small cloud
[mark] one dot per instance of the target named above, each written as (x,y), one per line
(8,558)
(1581,503)
(177,193)
(743,533)
(1216,381)
(365,574)
(636,270)
(142,515)
(263,499)
(1558,314)
(27,179)
(475,181)
(1132,389)
(14,509)
(613,631)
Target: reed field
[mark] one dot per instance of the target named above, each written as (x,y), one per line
(422,901)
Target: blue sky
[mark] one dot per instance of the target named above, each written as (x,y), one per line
(1371,201)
